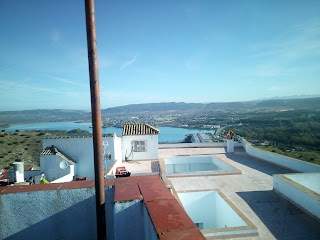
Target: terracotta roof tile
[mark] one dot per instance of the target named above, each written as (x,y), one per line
(154,190)
(139,129)
(184,234)
(54,151)
(168,215)
(52,186)
(127,192)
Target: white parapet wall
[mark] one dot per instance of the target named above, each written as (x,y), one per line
(284,161)
(301,189)
(196,145)
(230,146)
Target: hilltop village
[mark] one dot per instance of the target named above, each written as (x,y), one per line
(168,193)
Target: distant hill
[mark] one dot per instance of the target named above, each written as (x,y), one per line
(181,107)
(41,115)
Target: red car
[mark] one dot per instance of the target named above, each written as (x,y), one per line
(122,172)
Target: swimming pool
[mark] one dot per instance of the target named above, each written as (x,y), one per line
(197,166)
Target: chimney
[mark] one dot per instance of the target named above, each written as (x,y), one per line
(18,171)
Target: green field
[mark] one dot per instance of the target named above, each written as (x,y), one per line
(26,146)
(16,146)
(308,156)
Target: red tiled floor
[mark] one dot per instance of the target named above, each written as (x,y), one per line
(52,186)
(155,190)
(184,234)
(126,192)
(168,215)
(137,179)
(77,184)
(29,188)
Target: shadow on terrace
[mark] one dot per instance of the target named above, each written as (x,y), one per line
(283,219)
(257,164)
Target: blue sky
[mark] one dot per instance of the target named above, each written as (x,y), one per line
(158,51)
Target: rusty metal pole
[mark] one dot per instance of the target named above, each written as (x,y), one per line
(96,119)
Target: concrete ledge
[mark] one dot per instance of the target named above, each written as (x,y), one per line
(284,161)
(298,194)
(196,145)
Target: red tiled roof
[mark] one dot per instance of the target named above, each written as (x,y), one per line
(54,151)
(126,192)
(183,234)
(4,175)
(139,129)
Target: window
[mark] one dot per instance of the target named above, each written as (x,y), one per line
(199,225)
(139,146)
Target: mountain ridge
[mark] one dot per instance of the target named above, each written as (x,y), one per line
(47,115)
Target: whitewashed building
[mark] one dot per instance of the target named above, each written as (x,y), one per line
(80,150)
(139,142)
(64,159)
(57,166)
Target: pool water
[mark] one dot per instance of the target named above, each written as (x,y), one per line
(197,164)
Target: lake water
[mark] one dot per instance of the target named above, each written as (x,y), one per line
(167,134)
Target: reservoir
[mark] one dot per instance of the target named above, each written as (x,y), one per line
(167,134)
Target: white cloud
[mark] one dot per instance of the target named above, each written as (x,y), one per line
(192,64)
(273,88)
(56,36)
(68,81)
(128,62)
(283,56)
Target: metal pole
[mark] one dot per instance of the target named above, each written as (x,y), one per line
(96,119)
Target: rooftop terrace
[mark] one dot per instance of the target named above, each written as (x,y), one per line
(136,208)
(251,192)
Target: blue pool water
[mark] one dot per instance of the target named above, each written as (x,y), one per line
(195,164)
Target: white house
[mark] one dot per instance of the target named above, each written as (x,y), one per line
(57,166)
(139,142)
(64,159)
(80,150)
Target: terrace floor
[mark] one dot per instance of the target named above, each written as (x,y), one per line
(251,192)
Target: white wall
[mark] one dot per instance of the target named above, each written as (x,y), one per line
(80,150)
(67,178)
(50,166)
(281,160)
(53,214)
(308,180)
(141,228)
(209,208)
(196,145)
(307,200)
(152,147)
